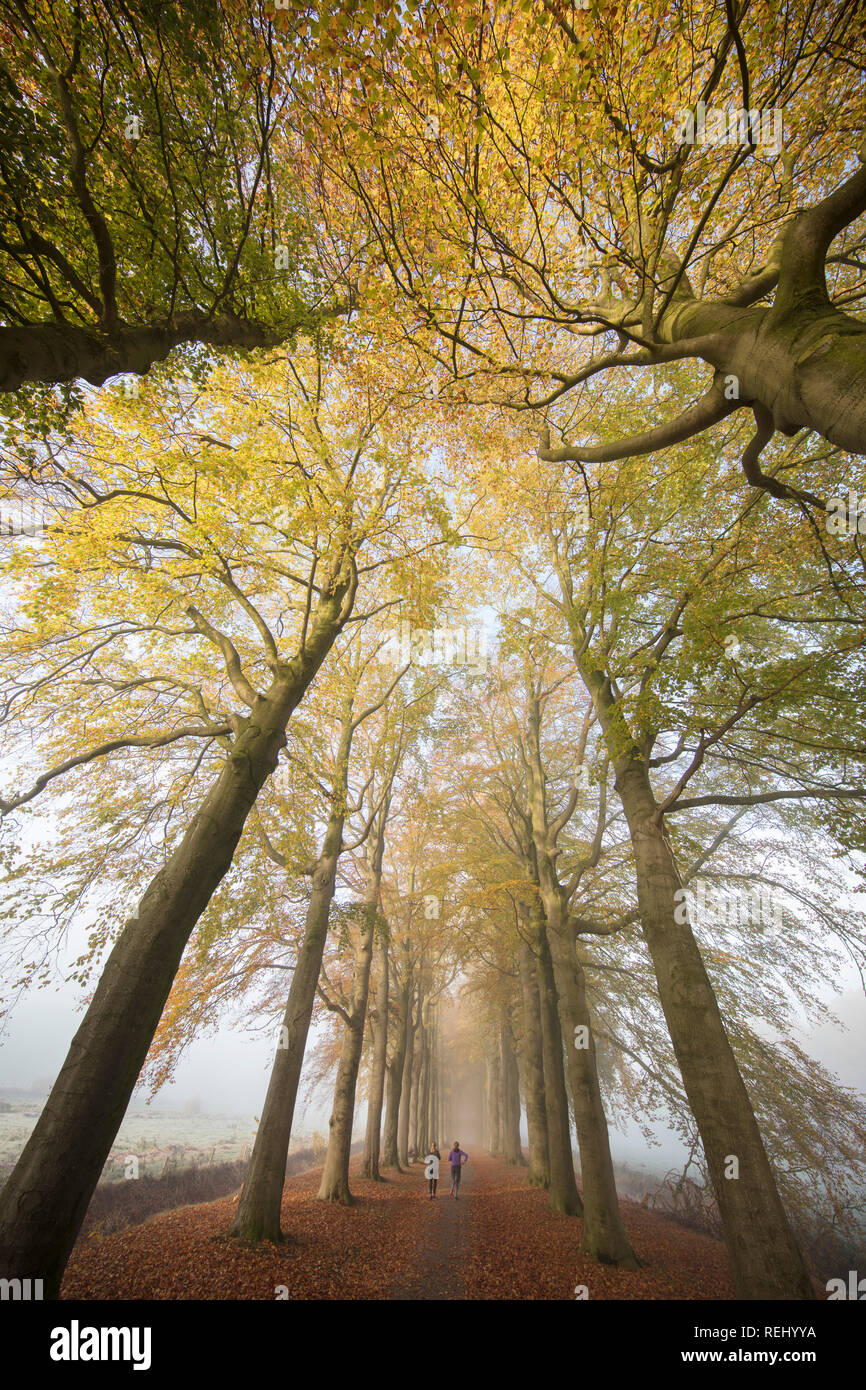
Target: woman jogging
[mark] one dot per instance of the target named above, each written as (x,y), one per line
(431,1172)
(456,1158)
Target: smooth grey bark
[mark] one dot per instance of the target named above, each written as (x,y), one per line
(424,1136)
(390,1156)
(487,1106)
(63,351)
(511,1148)
(406,1083)
(800,363)
(418,1052)
(258,1213)
(765,1259)
(444,1109)
(47,1194)
(57,352)
(433,1127)
(375,1103)
(439,1111)
(495,1093)
(533,1072)
(564,1195)
(334,1186)
(604,1235)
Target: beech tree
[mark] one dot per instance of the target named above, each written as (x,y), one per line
(553,213)
(745,956)
(352,1007)
(608,309)
(340,493)
(535,824)
(603,598)
(258,1214)
(507,823)
(604,1234)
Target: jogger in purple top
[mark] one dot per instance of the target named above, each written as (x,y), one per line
(456,1158)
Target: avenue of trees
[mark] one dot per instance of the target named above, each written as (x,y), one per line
(438,632)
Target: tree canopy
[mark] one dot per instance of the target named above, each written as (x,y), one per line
(439,622)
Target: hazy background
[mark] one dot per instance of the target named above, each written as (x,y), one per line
(227,1075)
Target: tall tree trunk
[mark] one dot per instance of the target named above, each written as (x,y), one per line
(406,1083)
(63,351)
(390,1156)
(415,1092)
(444,1107)
(334,1186)
(604,1235)
(370,1165)
(487,1105)
(258,1213)
(533,1072)
(432,1127)
(45,1198)
(765,1259)
(496,1101)
(564,1196)
(424,1135)
(511,1149)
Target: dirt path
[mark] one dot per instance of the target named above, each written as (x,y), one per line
(500,1240)
(437,1272)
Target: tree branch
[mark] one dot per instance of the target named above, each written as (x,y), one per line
(709,410)
(100,751)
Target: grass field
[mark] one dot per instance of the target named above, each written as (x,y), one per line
(159,1139)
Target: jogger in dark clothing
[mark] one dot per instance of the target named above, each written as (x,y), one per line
(456,1158)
